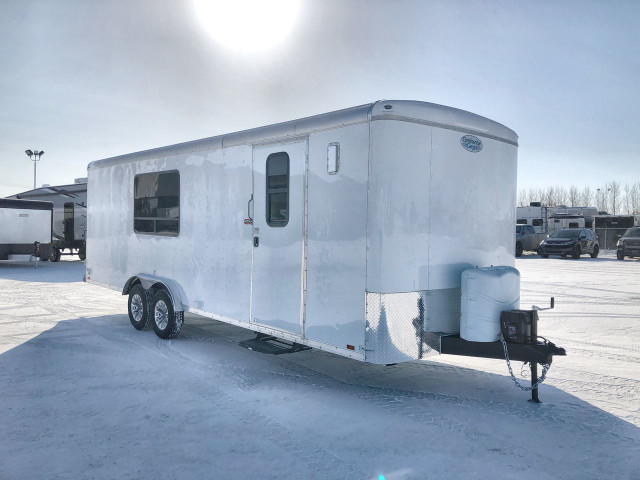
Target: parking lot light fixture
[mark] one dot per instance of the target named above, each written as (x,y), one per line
(34,156)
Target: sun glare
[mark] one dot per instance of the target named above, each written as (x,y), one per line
(247,25)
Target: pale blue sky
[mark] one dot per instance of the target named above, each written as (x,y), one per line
(87,80)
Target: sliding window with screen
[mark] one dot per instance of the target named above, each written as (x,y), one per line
(156,206)
(277,189)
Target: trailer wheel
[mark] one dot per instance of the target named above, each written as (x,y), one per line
(596,250)
(518,249)
(620,255)
(544,255)
(167,323)
(139,307)
(82,254)
(55,254)
(577,252)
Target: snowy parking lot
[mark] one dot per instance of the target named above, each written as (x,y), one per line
(85,395)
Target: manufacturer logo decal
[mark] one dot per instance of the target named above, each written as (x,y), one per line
(471,143)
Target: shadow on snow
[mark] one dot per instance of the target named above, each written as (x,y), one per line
(94,393)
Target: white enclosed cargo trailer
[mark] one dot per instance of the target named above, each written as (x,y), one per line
(346,232)
(25,229)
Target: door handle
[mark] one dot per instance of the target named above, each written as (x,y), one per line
(249,219)
(256,241)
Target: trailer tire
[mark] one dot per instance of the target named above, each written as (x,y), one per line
(577,252)
(620,255)
(82,254)
(166,322)
(55,254)
(518,249)
(595,252)
(139,307)
(544,255)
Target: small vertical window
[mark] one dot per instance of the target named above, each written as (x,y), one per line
(333,158)
(277,178)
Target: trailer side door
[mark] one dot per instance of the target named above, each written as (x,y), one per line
(277,299)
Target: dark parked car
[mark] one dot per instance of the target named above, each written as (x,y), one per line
(570,241)
(629,244)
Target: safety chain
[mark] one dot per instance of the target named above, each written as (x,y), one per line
(545,369)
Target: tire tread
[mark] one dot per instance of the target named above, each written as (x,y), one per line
(176,318)
(146,301)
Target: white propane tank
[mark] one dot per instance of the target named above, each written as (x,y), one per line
(486,292)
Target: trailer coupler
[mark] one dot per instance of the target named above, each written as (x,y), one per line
(271,345)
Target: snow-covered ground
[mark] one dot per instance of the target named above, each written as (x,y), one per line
(84,395)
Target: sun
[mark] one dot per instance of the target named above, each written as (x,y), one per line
(247,25)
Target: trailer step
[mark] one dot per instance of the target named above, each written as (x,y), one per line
(271,345)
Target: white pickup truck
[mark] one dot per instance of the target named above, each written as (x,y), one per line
(527,239)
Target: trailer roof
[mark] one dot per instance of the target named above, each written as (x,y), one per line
(25,204)
(401,110)
(68,190)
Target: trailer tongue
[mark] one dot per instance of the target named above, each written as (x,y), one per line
(518,341)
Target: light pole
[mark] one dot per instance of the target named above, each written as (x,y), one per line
(34,156)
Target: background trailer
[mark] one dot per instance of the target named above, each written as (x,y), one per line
(346,231)
(69,215)
(22,224)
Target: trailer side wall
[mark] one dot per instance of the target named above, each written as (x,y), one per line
(210,258)
(336,252)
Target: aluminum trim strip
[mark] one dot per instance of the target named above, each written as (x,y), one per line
(429,123)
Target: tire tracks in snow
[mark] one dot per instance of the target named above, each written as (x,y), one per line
(571,341)
(389,402)
(320,462)
(403,403)
(606,355)
(392,398)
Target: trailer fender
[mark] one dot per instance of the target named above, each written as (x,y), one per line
(175,291)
